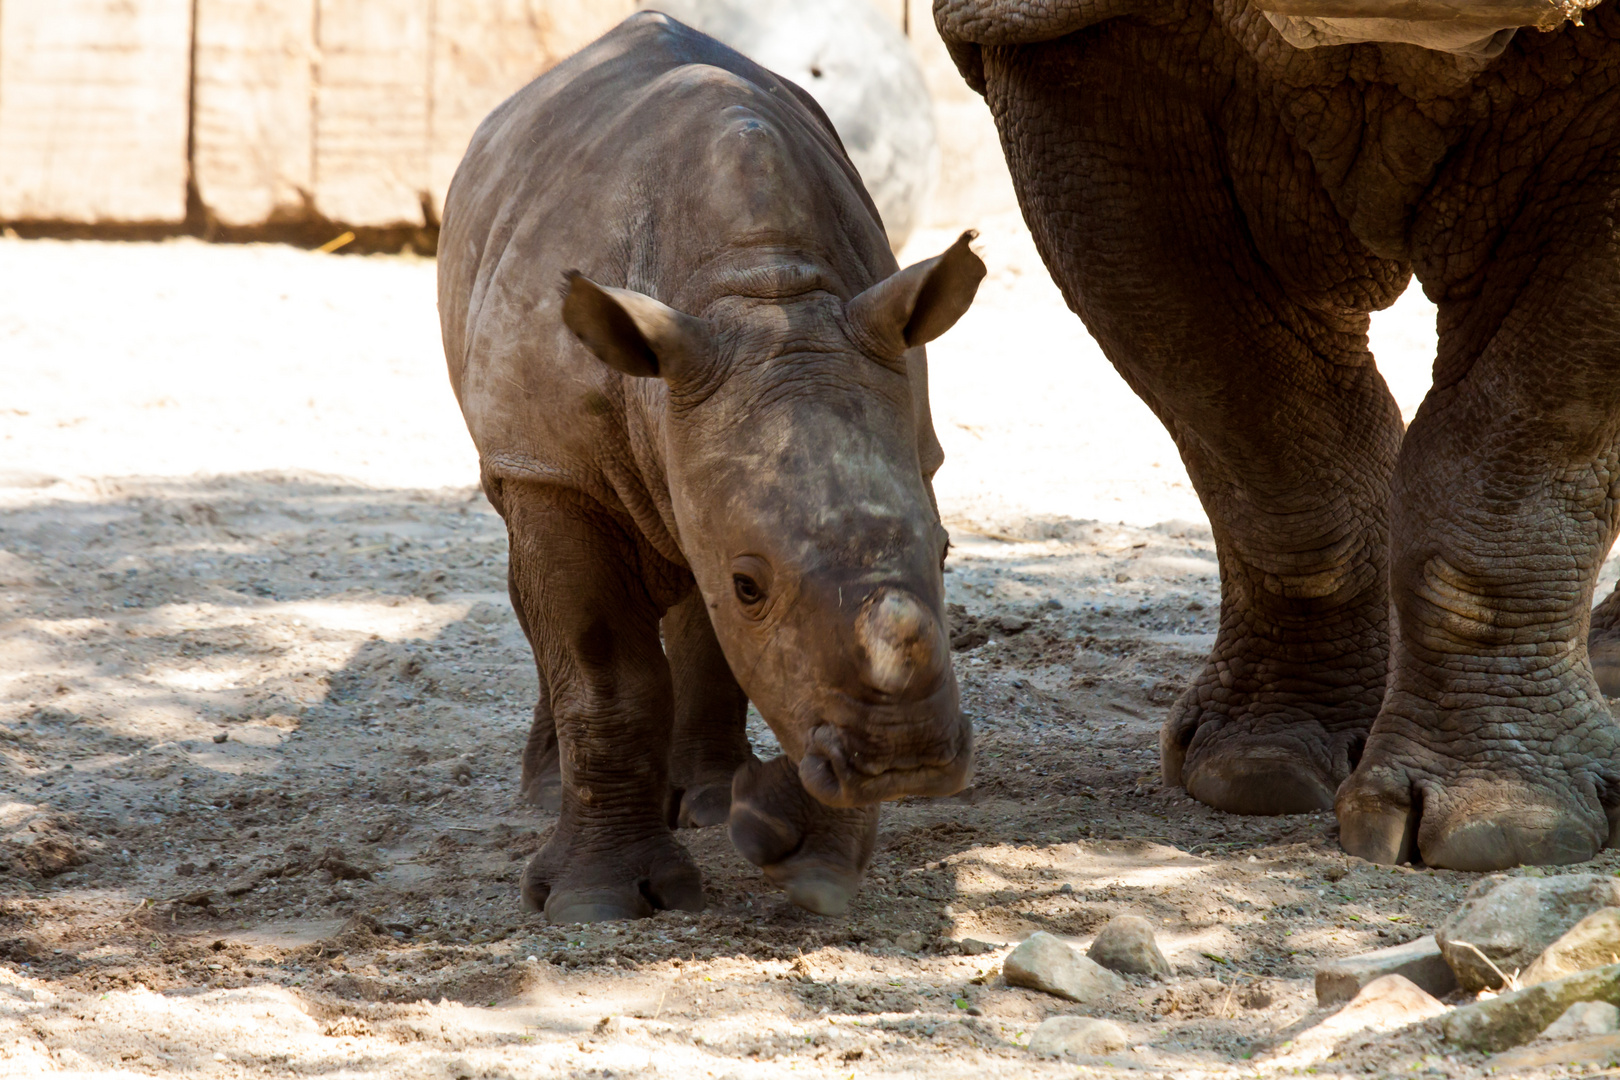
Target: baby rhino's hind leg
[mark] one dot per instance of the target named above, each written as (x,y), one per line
(541,782)
(1604,644)
(711,713)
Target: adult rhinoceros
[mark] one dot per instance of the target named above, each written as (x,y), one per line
(1224,190)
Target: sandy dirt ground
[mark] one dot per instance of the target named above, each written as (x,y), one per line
(262,698)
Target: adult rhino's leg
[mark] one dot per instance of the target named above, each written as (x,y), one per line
(576,576)
(1604,644)
(711,716)
(1287,430)
(1495,746)
(813,852)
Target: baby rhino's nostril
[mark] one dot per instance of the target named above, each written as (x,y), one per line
(901,641)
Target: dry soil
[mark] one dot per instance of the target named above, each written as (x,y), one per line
(262,698)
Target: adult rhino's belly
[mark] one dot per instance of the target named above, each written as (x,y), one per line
(1480,28)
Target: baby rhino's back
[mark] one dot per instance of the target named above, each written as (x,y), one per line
(656,159)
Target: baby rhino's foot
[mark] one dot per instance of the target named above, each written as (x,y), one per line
(702,797)
(1605,652)
(814,853)
(541,783)
(592,874)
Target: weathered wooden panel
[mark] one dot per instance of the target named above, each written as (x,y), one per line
(93,106)
(485,50)
(371,111)
(252,119)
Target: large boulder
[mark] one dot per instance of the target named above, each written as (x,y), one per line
(1509,921)
(861,71)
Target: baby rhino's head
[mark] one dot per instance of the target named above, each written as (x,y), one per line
(804,512)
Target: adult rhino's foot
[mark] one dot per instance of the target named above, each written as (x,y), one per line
(593,874)
(1273,727)
(813,852)
(1485,789)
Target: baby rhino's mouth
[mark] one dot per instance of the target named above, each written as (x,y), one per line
(838,771)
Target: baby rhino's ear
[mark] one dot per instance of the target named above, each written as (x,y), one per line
(919,303)
(632,332)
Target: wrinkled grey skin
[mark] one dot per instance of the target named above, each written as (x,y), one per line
(1405,614)
(694,377)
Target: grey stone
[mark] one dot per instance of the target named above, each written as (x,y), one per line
(1046,964)
(1419,960)
(1127,944)
(861,71)
(1583,1020)
(1385,1004)
(1513,1019)
(1591,943)
(1511,920)
(974,947)
(910,941)
(1598,1049)
(1083,1036)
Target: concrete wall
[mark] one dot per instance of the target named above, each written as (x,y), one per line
(352,112)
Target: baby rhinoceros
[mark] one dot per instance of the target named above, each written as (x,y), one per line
(694,375)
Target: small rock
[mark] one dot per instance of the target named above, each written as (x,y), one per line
(1046,964)
(1512,1019)
(974,947)
(1083,1036)
(1583,1020)
(1512,920)
(222,736)
(1127,945)
(1012,624)
(910,941)
(1593,942)
(348,1026)
(1419,961)
(1599,1049)
(1384,1004)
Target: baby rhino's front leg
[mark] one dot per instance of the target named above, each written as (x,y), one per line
(595,632)
(813,852)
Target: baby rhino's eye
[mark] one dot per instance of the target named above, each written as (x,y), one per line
(747,589)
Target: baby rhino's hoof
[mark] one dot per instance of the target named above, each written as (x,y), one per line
(702,806)
(812,852)
(571,883)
